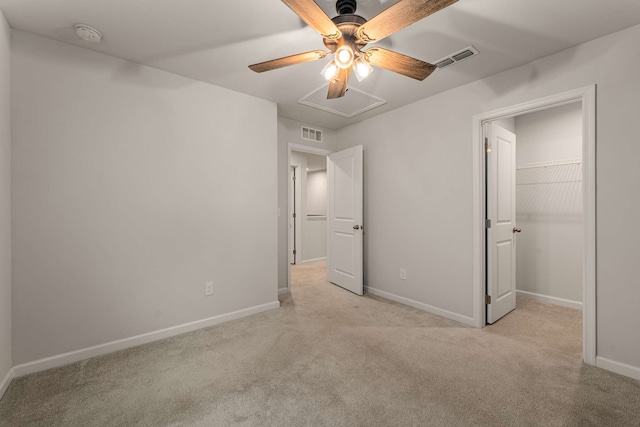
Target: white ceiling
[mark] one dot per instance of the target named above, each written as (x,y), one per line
(214,41)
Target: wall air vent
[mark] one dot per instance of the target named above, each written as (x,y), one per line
(458,56)
(310,134)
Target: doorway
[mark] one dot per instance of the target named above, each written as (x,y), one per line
(585,97)
(307,216)
(539,254)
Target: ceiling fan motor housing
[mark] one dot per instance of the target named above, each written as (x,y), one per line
(346,6)
(348,24)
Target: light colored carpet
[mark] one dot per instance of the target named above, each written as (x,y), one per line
(330,358)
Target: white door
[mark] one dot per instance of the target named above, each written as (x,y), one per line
(344,219)
(501,212)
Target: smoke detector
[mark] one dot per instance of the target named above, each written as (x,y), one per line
(87,33)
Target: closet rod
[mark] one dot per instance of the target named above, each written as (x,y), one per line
(574,162)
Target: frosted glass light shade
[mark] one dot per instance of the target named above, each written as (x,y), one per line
(362,69)
(330,71)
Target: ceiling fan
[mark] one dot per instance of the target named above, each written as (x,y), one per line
(347,34)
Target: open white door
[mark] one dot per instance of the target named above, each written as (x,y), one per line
(344,219)
(501,213)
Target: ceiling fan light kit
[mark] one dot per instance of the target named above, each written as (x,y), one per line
(347,34)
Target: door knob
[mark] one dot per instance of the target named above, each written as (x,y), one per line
(356,227)
(517,230)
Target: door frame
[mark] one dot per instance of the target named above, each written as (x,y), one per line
(294,205)
(303,149)
(587,96)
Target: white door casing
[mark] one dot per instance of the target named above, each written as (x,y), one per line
(501,211)
(344,219)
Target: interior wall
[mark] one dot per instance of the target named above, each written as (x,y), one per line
(509,124)
(128,198)
(317,193)
(549,203)
(5,201)
(289,132)
(419,184)
(315,221)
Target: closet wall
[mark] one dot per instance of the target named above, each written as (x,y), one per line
(315,221)
(549,204)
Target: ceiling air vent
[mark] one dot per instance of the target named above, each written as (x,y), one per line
(444,63)
(310,134)
(461,55)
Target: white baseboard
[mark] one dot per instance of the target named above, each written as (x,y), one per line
(4,385)
(309,261)
(551,300)
(618,368)
(283,291)
(421,306)
(98,350)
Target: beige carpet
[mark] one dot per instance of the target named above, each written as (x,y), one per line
(330,358)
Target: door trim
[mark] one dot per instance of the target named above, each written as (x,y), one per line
(295,204)
(587,96)
(303,149)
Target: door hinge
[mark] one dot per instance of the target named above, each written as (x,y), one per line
(487,146)
(487,299)
(487,223)
(295,252)
(294,178)
(294,215)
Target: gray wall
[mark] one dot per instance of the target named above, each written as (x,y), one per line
(5,200)
(128,198)
(418,193)
(508,124)
(289,133)
(317,192)
(549,203)
(314,235)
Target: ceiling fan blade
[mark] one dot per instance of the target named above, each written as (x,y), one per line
(338,87)
(315,17)
(289,60)
(397,16)
(399,63)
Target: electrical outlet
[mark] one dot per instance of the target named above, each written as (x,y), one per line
(208,289)
(403,273)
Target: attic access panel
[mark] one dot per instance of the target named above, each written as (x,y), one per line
(353,103)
